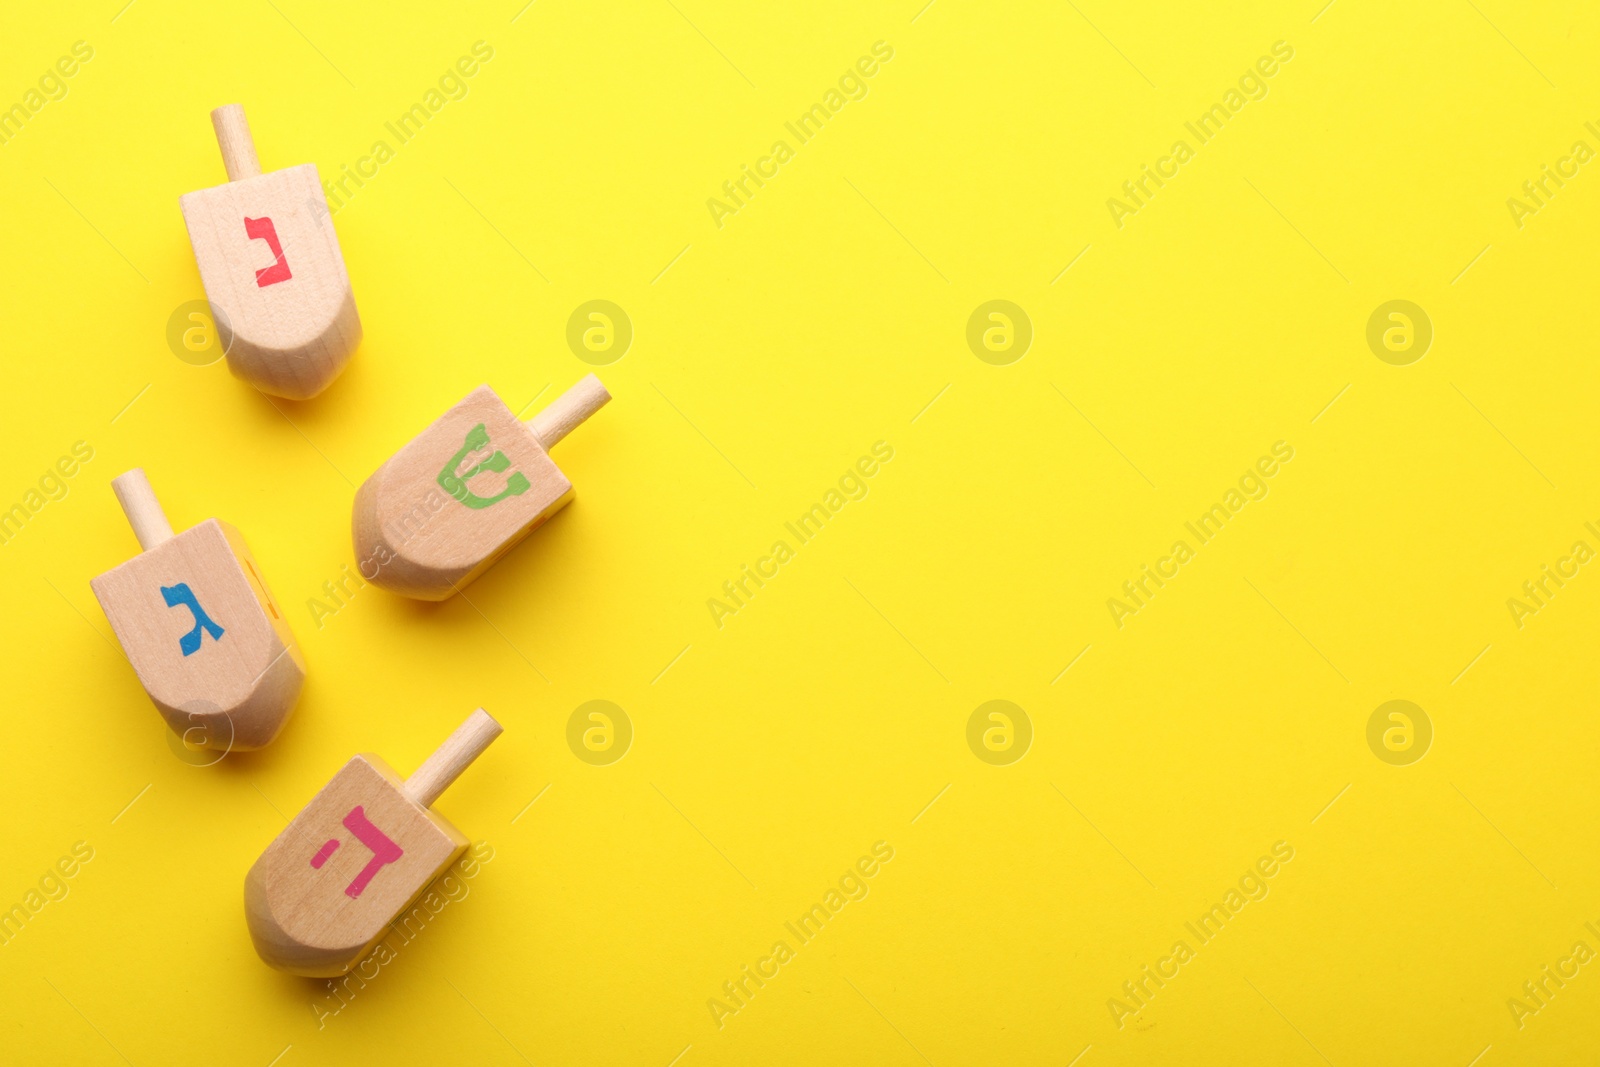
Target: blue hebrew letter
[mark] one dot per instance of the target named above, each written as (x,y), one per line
(182,594)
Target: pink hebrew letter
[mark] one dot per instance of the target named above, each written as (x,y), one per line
(384,851)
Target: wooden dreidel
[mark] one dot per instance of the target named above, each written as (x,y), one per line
(200,628)
(271,266)
(465,491)
(325,891)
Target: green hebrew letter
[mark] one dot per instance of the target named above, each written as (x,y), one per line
(456,484)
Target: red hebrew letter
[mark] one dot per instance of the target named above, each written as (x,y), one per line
(263,230)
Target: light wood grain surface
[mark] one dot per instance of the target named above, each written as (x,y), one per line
(413,536)
(272,268)
(355,858)
(229,692)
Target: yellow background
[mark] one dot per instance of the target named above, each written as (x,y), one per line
(826,315)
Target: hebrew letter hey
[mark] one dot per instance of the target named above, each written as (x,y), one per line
(384,851)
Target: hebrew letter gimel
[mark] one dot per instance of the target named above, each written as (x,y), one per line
(189,643)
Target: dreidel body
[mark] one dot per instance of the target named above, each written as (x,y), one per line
(465,491)
(356,857)
(272,269)
(200,627)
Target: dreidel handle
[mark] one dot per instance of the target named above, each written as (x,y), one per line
(238,147)
(452,757)
(567,411)
(144,512)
